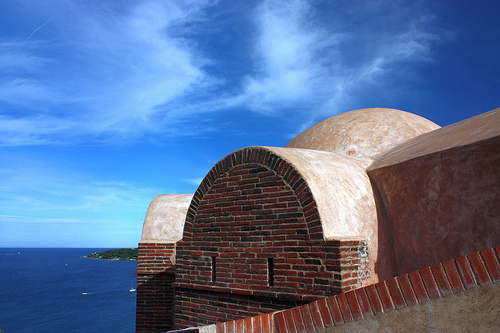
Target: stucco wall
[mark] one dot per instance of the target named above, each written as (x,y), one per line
(437,206)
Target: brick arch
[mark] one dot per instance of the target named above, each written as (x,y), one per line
(267,159)
(245,253)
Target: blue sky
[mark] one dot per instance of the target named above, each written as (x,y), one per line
(105,104)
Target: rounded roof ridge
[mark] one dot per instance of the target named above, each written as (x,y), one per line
(478,128)
(165,217)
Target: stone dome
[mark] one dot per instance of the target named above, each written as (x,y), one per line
(363,132)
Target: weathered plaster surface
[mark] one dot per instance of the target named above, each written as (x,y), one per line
(443,202)
(165,218)
(474,310)
(363,133)
(342,192)
(478,128)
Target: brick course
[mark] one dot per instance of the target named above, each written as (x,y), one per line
(201,307)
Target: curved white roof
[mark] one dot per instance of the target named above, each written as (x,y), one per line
(165,218)
(363,133)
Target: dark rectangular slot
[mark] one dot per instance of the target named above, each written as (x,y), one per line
(213,270)
(270,271)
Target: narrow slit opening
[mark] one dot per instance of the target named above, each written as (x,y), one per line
(270,271)
(213,270)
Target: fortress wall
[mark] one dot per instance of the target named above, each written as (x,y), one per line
(253,243)
(454,296)
(438,206)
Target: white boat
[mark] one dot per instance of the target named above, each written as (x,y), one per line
(132,289)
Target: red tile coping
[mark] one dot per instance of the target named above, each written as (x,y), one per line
(441,279)
(466,273)
(334,308)
(491,261)
(429,283)
(395,292)
(374,299)
(418,287)
(299,323)
(363,301)
(385,297)
(479,269)
(304,316)
(453,276)
(406,288)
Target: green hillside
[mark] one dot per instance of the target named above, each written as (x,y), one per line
(121,254)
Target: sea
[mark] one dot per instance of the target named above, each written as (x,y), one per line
(57,290)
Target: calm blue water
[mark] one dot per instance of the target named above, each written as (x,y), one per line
(41,291)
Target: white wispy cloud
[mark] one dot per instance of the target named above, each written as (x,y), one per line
(26,92)
(151,66)
(116,71)
(193,181)
(104,70)
(19,56)
(289,70)
(311,66)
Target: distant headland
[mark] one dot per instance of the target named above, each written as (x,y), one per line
(121,254)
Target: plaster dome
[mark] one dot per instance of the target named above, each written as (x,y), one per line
(363,132)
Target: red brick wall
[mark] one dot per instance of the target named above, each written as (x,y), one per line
(201,307)
(251,208)
(454,277)
(155,293)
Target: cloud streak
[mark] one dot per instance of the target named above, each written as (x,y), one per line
(113,72)
(103,71)
(309,66)
(290,70)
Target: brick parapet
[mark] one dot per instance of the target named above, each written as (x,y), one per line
(201,307)
(451,277)
(304,272)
